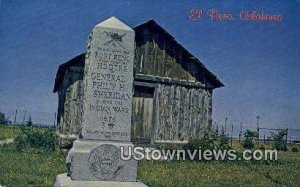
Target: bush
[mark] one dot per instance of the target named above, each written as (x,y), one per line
(29,122)
(35,138)
(278,142)
(21,142)
(169,146)
(295,149)
(3,120)
(211,140)
(196,145)
(262,147)
(223,141)
(248,141)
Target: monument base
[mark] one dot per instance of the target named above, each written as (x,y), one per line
(63,180)
(95,160)
(65,141)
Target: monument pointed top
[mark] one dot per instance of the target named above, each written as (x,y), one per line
(115,23)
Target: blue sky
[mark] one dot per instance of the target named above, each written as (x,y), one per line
(257,61)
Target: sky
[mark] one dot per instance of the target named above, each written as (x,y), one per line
(257,61)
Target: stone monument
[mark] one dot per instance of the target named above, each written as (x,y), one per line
(95,158)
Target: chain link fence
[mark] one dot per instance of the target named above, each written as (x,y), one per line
(236,132)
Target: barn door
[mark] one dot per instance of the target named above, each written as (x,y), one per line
(142,114)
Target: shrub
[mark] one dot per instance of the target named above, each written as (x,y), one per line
(278,142)
(262,147)
(295,149)
(21,142)
(3,120)
(195,145)
(223,141)
(211,140)
(29,122)
(248,141)
(170,146)
(44,140)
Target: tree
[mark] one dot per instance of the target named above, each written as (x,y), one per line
(29,122)
(248,139)
(278,141)
(3,120)
(223,140)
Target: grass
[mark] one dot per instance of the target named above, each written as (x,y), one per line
(35,168)
(30,168)
(191,173)
(7,132)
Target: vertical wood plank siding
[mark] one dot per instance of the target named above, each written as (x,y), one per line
(70,102)
(181,113)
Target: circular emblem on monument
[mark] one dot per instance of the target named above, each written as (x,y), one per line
(105,162)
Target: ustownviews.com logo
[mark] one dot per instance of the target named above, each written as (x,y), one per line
(142,153)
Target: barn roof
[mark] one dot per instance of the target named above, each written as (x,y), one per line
(152,25)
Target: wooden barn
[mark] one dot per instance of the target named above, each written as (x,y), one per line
(172,90)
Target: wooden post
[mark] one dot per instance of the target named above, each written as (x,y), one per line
(286,136)
(241,132)
(225,125)
(257,126)
(54,120)
(15,121)
(24,118)
(231,133)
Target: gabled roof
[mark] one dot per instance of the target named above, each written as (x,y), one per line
(152,25)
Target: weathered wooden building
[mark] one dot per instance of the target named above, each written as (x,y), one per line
(172,90)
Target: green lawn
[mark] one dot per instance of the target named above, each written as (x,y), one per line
(29,169)
(191,173)
(40,169)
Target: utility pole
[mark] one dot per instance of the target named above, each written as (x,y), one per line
(54,120)
(241,131)
(24,118)
(15,121)
(225,125)
(286,136)
(231,133)
(257,126)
